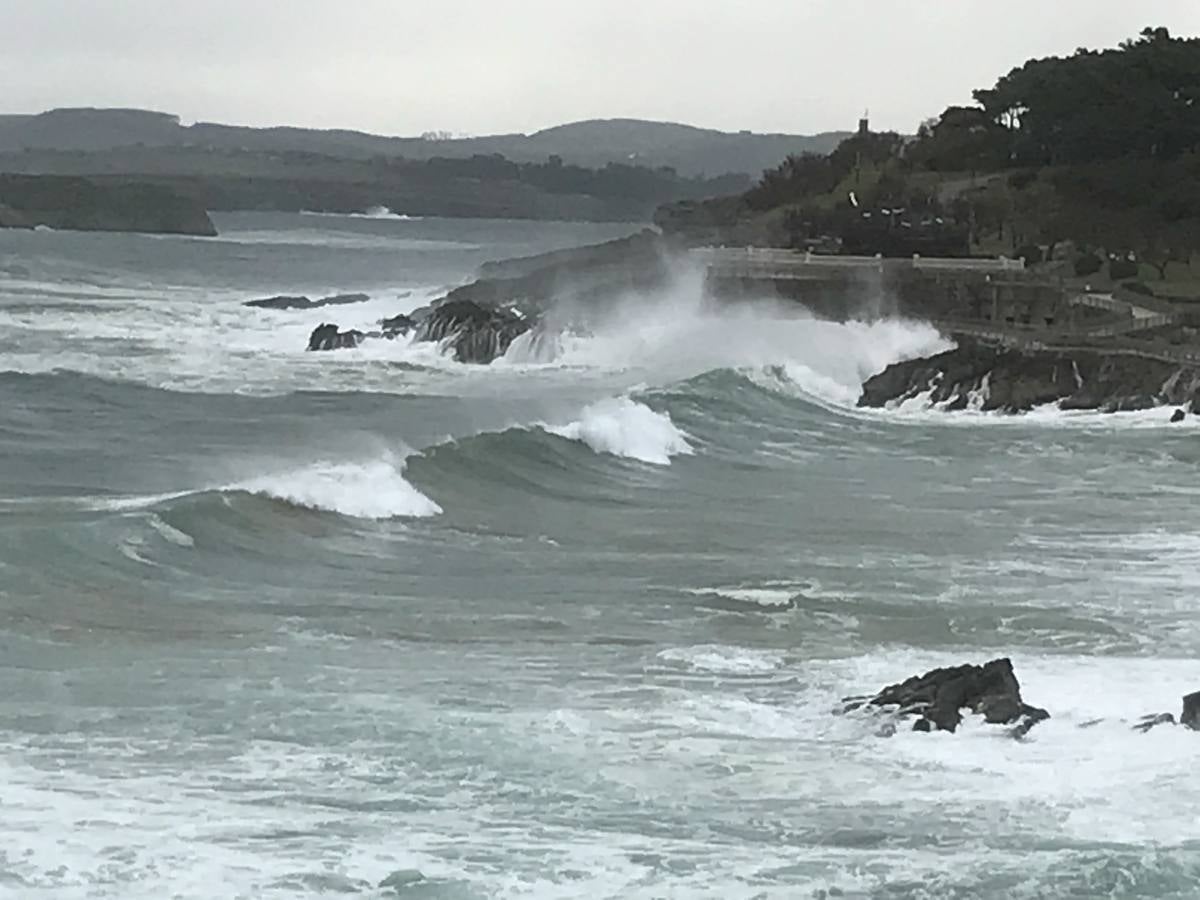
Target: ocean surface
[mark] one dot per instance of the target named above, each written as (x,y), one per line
(374,623)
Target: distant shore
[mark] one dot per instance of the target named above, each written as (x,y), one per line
(82,204)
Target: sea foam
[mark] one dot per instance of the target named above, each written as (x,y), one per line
(366,490)
(623,427)
(678,332)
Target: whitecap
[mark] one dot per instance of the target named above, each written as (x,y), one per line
(623,427)
(374,489)
(724,660)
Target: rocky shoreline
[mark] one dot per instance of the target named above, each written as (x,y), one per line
(479,321)
(982,376)
(936,700)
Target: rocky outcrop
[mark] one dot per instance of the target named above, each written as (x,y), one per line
(1189,718)
(937,699)
(986,377)
(476,333)
(80,204)
(285,302)
(326,336)
(397,325)
(479,321)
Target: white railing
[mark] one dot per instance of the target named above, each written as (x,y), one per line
(774,257)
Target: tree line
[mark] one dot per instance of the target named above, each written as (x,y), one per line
(1100,147)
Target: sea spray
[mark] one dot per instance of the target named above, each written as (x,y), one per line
(677,333)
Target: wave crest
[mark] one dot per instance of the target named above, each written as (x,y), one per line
(367,490)
(623,427)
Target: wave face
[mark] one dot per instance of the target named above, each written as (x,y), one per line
(571,625)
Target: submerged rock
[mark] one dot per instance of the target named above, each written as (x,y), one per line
(938,697)
(397,325)
(287,302)
(327,337)
(1152,721)
(1189,718)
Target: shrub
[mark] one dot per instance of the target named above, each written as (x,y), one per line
(1022,179)
(1031,253)
(1120,269)
(1088,264)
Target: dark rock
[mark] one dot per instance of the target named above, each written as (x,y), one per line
(342,300)
(1153,721)
(1178,416)
(327,337)
(285,302)
(479,321)
(1191,711)
(1010,380)
(476,333)
(397,325)
(1030,716)
(939,696)
(280,302)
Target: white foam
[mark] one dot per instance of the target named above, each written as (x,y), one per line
(677,333)
(623,427)
(723,659)
(374,212)
(171,534)
(766,597)
(132,502)
(366,490)
(209,341)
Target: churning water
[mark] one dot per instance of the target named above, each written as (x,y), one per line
(373,623)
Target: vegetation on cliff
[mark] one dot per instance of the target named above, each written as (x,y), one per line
(481,186)
(593,144)
(1099,150)
(29,201)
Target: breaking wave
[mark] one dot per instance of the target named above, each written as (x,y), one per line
(370,490)
(678,334)
(626,428)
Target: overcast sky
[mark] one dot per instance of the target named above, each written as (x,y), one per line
(486,66)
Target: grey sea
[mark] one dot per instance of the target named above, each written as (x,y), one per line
(374,623)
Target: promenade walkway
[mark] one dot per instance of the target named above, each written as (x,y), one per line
(1131,313)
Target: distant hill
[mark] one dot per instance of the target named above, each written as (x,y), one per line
(690,151)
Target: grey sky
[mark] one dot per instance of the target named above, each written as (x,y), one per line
(485,66)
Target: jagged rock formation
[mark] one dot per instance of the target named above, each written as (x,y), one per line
(479,321)
(81,204)
(938,697)
(327,337)
(1189,718)
(285,302)
(985,377)
(477,334)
